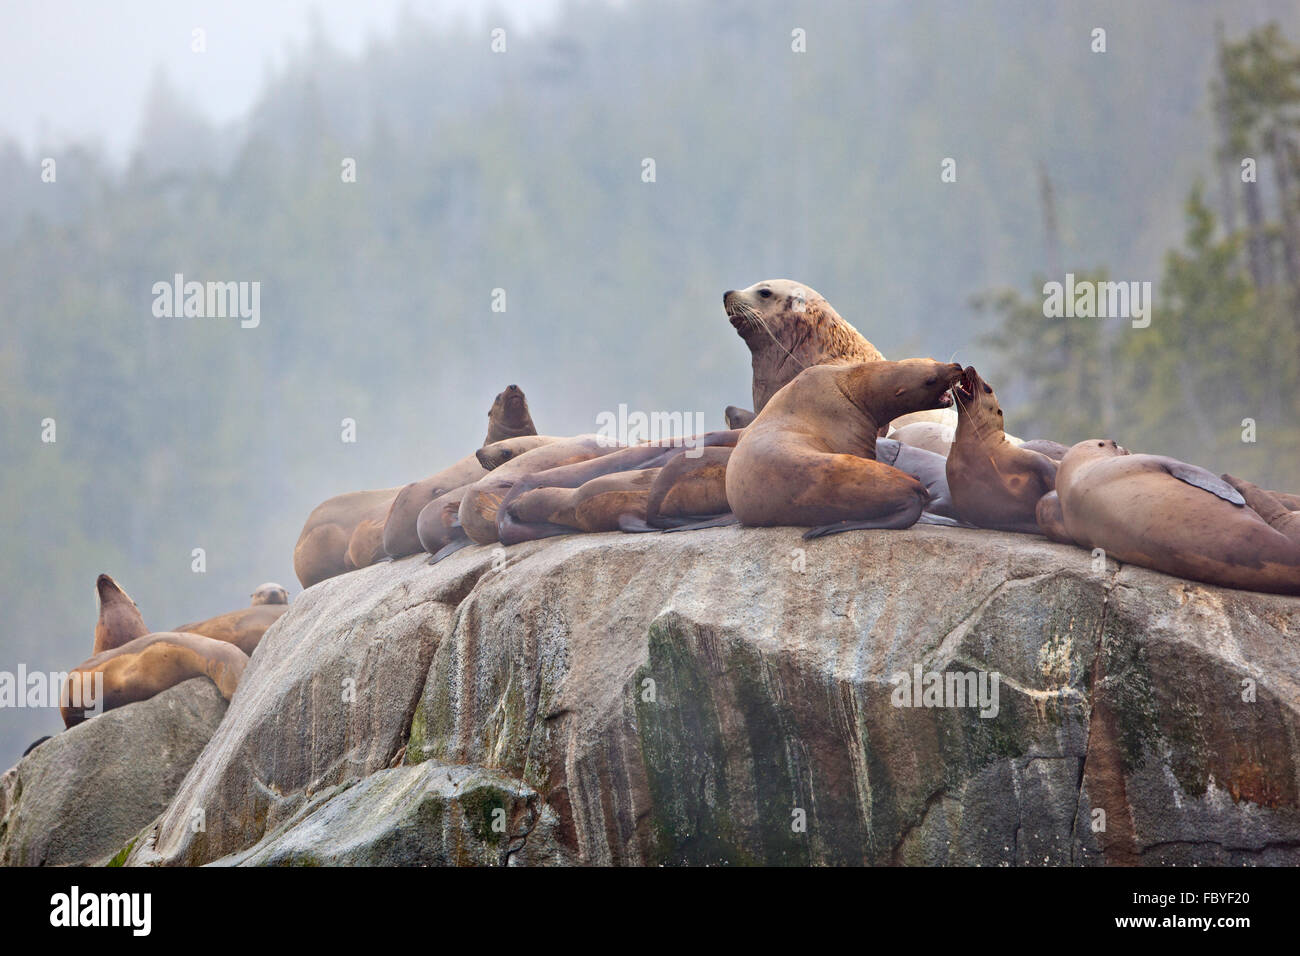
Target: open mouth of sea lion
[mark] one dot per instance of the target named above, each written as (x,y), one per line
(967,385)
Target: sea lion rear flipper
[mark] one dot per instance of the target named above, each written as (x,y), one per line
(1200,478)
(450,549)
(929,517)
(634,525)
(718,521)
(896,521)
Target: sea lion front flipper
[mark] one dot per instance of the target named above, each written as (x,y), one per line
(719,521)
(1200,478)
(904,518)
(449,549)
(929,517)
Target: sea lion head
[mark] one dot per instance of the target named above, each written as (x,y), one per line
(508,417)
(495,454)
(767,307)
(977,404)
(916,384)
(270,593)
(1094,449)
(119,617)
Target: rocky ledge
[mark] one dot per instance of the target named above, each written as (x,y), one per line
(733,696)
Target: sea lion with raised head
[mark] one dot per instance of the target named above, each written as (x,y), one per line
(809,456)
(269,593)
(1165,514)
(146,666)
(994,484)
(509,416)
(788,327)
(120,619)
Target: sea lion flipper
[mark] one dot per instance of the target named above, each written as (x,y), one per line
(1200,478)
(719,521)
(450,549)
(631,524)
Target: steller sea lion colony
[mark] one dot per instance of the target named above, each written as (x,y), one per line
(839,439)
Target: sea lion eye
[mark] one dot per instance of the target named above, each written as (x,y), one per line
(931,380)
(765,293)
(987,389)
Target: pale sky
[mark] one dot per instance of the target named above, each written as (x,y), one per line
(78,69)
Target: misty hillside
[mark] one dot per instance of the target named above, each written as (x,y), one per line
(522,171)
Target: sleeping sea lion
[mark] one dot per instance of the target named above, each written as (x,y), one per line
(1170,516)
(148,665)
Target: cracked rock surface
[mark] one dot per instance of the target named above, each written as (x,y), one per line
(726,696)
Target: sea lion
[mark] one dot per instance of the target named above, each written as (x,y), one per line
(934,437)
(513,527)
(594,506)
(809,456)
(401,535)
(269,593)
(326,537)
(1280,510)
(439,523)
(243,628)
(119,617)
(508,417)
(1045,446)
(994,484)
(150,664)
(926,467)
(1170,516)
(737,417)
(478,509)
(788,327)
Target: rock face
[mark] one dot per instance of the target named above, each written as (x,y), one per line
(733,696)
(78,798)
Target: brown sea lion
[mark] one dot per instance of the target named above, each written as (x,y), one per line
(737,417)
(269,593)
(243,628)
(119,618)
(933,437)
(508,417)
(401,535)
(993,483)
(478,509)
(594,506)
(1045,446)
(1170,516)
(512,527)
(323,544)
(146,666)
(809,456)
(789,327)
(1280,510)
(1050,518)
(439,524)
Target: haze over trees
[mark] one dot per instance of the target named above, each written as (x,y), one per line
(523,171)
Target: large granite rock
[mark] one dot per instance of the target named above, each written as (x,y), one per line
(729,696)
(80,796)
